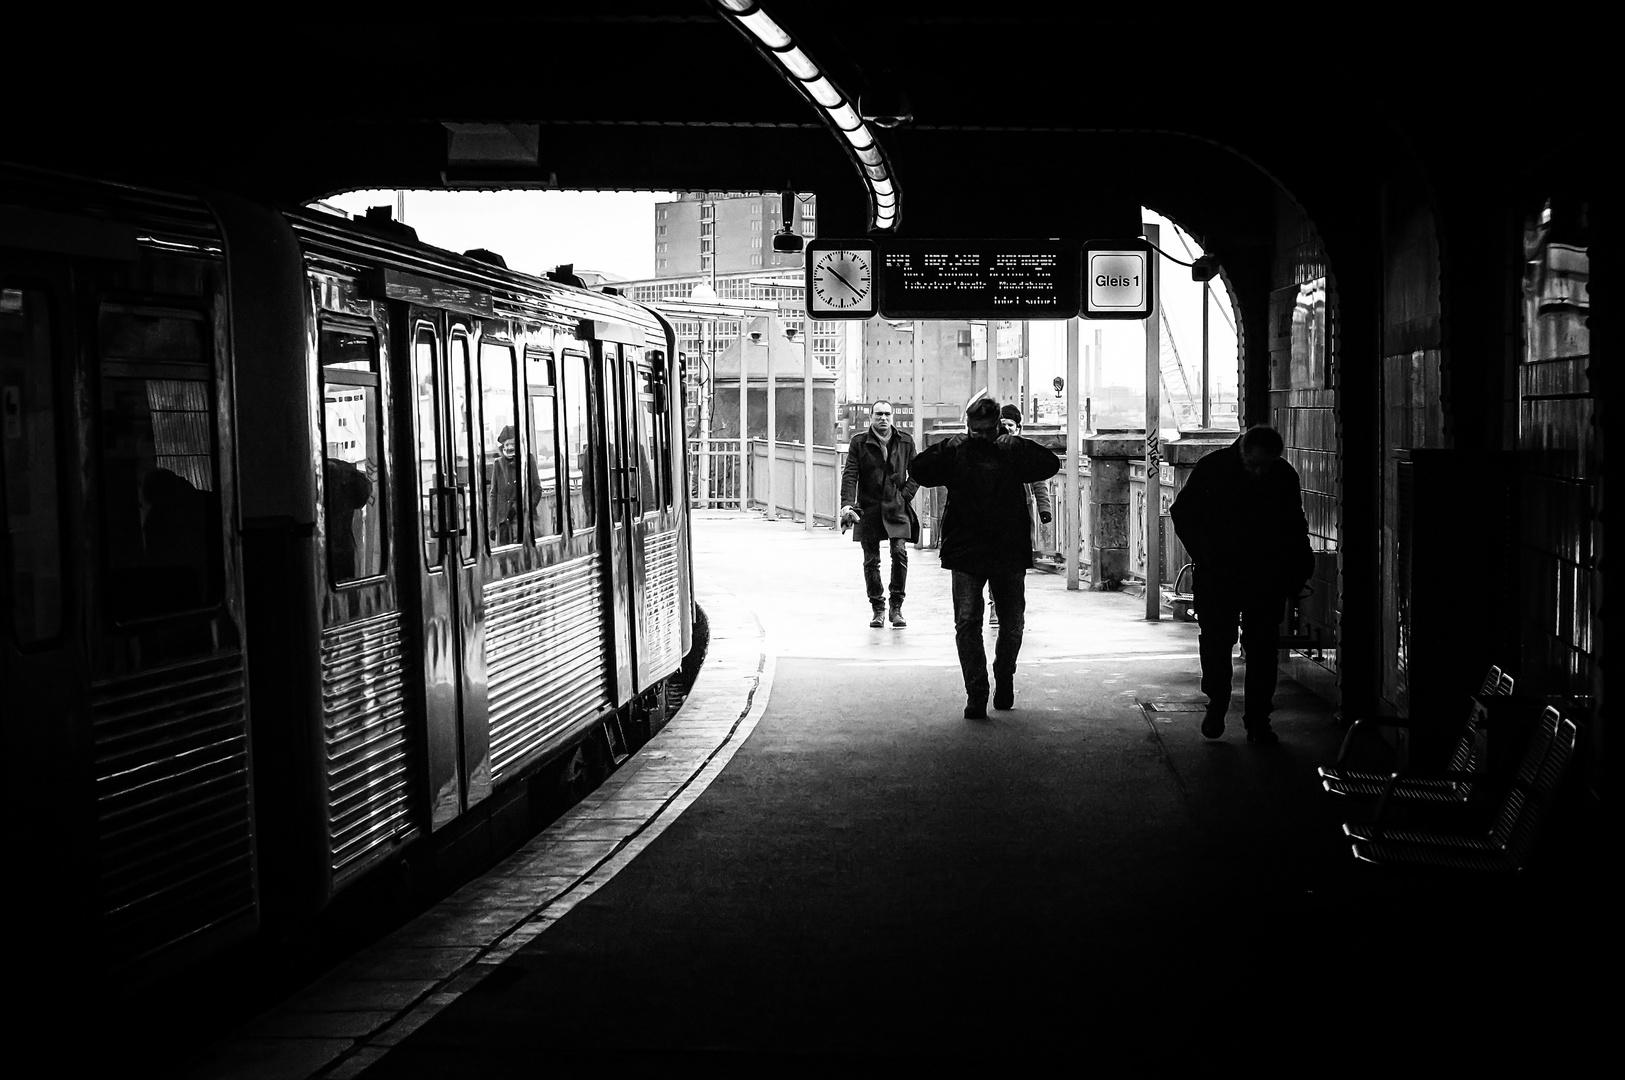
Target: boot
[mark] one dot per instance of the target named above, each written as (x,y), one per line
(1004,691)
(897,614)
(879,618)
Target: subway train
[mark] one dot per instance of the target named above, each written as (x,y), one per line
(326,551)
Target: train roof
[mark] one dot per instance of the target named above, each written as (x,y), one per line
(357,247)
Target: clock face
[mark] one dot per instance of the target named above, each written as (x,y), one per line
(840,282)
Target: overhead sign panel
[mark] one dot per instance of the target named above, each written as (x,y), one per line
(977,279)
(1117,279)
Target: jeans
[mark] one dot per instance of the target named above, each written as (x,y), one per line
(1009,591)
(1259,616)
(899,569)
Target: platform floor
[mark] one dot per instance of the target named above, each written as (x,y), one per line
(821,863)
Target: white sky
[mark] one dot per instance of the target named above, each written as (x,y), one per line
(534,231)
(613,232)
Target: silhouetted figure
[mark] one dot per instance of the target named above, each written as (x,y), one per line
(1240,515)
(345,490)
(1038,503)
(877,501)
(986,541)
(174,528)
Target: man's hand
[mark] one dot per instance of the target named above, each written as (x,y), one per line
(1045,516)
(849,516)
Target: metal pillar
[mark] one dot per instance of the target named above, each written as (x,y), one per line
(744,419)
(919,405)
(1153,440)
(1207,393)
(1070,487)
(703,466)
(807,362)
(772,432)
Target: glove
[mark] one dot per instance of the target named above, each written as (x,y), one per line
(1045,516)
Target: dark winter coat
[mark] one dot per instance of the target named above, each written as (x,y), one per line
(985,526)
(876,481)
(1246,536)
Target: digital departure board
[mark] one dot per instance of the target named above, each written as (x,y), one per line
(978,279)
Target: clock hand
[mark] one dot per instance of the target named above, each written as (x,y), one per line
(842,276)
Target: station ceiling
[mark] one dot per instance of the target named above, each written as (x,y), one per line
(1029,119)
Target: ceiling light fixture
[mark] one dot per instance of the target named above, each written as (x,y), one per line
(838,111)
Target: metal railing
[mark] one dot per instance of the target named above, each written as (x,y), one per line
(714,479)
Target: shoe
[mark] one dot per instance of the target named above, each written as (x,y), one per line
(1004,694)
(897,614)
(1263,736)
(976,707)
(1213,723)
(879,619)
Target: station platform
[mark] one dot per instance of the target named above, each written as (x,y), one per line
(820,862)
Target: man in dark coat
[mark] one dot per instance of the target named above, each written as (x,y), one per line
(877,501)
(1240,515)
(986,541)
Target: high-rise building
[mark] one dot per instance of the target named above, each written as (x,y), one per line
(715,232)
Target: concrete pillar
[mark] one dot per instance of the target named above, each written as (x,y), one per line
(1109,503)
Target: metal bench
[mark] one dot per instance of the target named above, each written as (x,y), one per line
(1514,818)
(1453,784)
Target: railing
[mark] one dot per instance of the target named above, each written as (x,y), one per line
(714,479)
(713,474)
(790,484)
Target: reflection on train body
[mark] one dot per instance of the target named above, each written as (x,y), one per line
(415,515)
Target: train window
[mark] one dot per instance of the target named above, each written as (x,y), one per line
(505,483)
(544,508)
(648,463)
(462,442)
(160,500)
(352,502)
(578,457)
(652,398)
(424,368)
(28,449)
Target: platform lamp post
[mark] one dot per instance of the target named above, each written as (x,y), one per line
(916,329)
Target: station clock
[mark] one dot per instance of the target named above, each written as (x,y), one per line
(841,279)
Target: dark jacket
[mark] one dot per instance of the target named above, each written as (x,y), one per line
(985,525)
(876,481)
(1244,533)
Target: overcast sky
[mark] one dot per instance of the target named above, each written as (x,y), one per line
(534,231)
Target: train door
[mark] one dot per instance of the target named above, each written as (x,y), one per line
(642,478)
(457,755)
(168,688)
(621,487)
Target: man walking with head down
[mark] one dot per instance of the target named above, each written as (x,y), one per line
(1240,515)
(877,501)
(986,541)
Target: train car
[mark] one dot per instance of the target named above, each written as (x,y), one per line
(324,548)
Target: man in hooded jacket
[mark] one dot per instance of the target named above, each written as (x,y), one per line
(986,541)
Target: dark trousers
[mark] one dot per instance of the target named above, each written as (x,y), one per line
(899,569)
(1009,591)
(1259,615)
